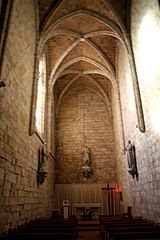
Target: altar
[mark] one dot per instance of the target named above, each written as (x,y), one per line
(77,209)
(100,198)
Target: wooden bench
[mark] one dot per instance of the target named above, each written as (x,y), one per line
(138,228)
(112,228)
(115,222)
(136,235)
(128,228)
(103,219)
(47,229)
(41,235)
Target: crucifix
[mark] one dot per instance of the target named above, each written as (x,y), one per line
(110,197)
(107,188)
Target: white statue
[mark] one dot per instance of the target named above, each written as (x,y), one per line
(130,154)
(86,155)
(131,158)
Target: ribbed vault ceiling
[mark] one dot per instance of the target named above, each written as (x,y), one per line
(80,38)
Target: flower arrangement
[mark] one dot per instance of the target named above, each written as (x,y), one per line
(87,213)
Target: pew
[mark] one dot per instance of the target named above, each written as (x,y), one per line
(46,228)
(131,229)
(122,228)
(103,219)
(113,228)
(106,221)
(41,235)
(136,235)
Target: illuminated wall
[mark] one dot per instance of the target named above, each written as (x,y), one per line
(145,26)
(142,193)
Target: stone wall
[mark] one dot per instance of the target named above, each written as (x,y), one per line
(142,193)
(84,118)
(21,198)
(145,37)
(127,120)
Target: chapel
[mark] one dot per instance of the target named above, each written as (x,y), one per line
(79,108)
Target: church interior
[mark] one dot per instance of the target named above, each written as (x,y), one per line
(79,109)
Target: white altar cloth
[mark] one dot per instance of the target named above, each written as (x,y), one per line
(92,206)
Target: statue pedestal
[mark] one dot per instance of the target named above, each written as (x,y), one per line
(86,171)
(65,206)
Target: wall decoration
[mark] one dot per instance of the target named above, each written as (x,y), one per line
(85,170)
(41,173)
(131,158)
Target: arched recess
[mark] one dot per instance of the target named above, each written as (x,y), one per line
(109,74)
(81,58)
(116,30)
(101,71)
(102,94)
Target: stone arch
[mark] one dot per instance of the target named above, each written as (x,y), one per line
(121,34)
(81,58)
(116,30)
(104,96)
(70,48)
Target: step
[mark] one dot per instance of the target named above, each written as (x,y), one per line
(88,228)
(88,225)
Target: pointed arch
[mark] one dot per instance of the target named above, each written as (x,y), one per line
(103,95)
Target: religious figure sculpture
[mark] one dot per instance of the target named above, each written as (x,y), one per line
(130,154)
(131,158)
(41,173)
(86,155)
(86,162)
